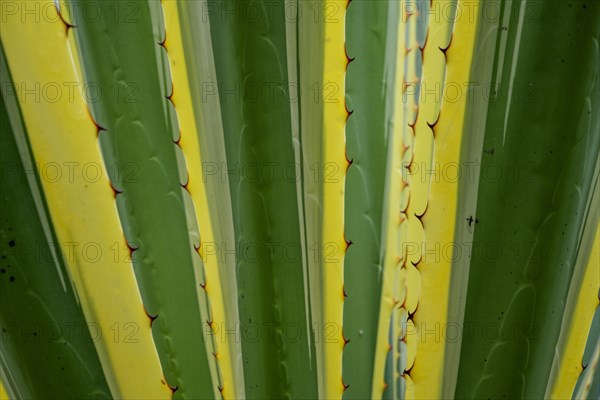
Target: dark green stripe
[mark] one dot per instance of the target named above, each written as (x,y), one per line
(250,56)
(369,90)
(119,55)
(533,199)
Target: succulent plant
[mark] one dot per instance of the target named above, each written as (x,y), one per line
(300,199)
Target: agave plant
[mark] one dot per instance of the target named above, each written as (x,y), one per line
(300,199)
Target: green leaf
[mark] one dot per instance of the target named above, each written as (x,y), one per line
(126,60)
(47,350)
(533,198)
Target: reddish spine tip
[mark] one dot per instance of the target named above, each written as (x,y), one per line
(98,126)
(151,317)
(345,386)
(424,45)
(170,96)
(411,316)
(348,112)
(432,126)
(445,50)
(420,217)
(348,242)
(348,59)
(203,285)
(344,291)
(346,341)
(114,190)
(163,43)
(67,24)
(131,247)
(349,161)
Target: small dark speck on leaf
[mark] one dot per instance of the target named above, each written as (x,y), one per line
(11,243)
(12,279)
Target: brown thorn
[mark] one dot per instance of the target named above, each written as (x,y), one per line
(67,25)
(115,191)
(348,112)
(414,124)
(346,341)
(348,160)
(185,185)
(348,59)
(445,50)
(98,126)
(416,265)
(170,96)
(163,43)
(131,247)
(432,126)
(411,316)
(151,317)
(422,49)
(348,242)
(421,216)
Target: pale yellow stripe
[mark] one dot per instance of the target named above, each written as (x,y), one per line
(81,205)
(442,192)
(3,394)
(190,146)
(412,235)
(334,143)
(587,301)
